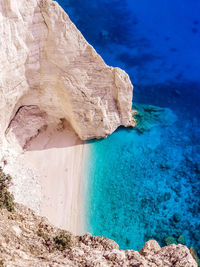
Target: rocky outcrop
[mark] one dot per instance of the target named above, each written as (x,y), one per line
(49,73)
(29,240)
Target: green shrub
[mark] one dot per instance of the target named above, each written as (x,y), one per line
(6,198)
(42,234)
(47,239)
(63,241)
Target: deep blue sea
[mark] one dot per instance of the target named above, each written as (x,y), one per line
(145,183)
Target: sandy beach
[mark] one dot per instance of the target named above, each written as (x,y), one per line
(57,158)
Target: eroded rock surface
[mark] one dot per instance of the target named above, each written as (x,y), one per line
(27,124)
(28,240)
(45,62)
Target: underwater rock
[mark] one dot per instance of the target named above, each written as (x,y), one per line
(166,165)
(148,116)
(170,240)
(176,217)
(196,235)
(194,30)
(167,196)
(47,64)
(197,167)
(181,240)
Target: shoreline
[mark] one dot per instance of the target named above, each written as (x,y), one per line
(55,160)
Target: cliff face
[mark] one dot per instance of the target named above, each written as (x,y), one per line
(29,240)
(49,73)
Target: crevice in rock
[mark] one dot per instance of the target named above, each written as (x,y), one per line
(26,124)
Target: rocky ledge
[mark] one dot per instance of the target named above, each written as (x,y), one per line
(30,240)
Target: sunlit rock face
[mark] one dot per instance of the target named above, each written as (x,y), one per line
(49,73)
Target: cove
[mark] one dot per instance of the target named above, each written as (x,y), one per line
(144,182)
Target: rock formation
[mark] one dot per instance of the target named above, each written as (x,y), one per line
(29,240)
(49,73)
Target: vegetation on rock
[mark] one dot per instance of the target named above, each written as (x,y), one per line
(29,240)
(63,241)
(6,198)
(45,236)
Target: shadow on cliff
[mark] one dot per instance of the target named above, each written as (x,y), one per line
(54,136)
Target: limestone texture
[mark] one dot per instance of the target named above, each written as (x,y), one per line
(49,73)
(29,240)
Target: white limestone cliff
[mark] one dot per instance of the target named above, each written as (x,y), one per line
(49,73)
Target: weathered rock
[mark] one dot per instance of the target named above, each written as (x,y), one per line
(151,247)
(29,240)
(194,255)
(47,65)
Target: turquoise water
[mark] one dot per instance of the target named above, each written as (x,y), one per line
(145,183)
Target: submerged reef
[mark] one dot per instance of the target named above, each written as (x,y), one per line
(148,187)
(148,116)
(162,159)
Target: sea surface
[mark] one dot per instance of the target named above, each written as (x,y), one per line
(144,183)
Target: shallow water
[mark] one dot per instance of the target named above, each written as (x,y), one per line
(145,183)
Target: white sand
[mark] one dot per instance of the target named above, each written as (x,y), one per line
(58,159)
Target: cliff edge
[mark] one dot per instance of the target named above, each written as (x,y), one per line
(29,240)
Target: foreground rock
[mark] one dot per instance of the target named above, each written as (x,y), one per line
(29,240)
(49,73)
